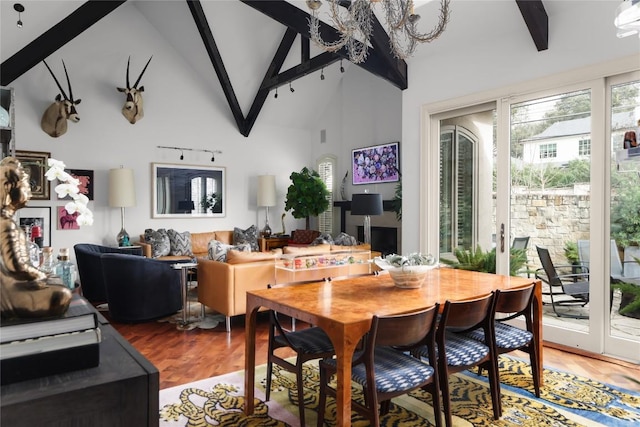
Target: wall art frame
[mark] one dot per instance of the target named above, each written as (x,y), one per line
(85,176)
(376,164)
(65,220)
(28,215)
(174,186)
(36,164)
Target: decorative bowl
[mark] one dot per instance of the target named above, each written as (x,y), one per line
(410,276)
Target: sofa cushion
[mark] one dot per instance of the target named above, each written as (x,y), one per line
(159,241)
(345,240)
(225,236)
(200,242)
(218,250)
(239,257)
(304,237)
(180,243)
(306,250)
(250,236)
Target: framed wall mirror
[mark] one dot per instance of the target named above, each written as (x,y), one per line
(187,191)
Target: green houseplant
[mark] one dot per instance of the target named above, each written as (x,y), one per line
(479,260)
(307,195)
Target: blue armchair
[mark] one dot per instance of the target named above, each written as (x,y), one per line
(90,269)
(140,289)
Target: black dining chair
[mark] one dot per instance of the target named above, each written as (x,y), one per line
(457,352)
(513,304)
(385,369)
(308,344)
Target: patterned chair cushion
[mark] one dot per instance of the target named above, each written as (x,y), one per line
(159,241)
(463,351)
(180,243)
(218,251)
(395,371)
(507,336)
(250,236)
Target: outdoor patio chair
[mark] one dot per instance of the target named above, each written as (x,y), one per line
(568,285)
(308,344)
(620,271)
(522,243)
(384,370)
(511,304)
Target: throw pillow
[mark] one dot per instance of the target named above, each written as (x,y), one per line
(180,243)
(322,239)
(239,257)
(250,236)
(345,240)
(218,250)
(304,237)
(159,241)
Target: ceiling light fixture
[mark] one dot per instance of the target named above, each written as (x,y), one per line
(290,88)
(276,95)
(355,25)
(341,67)
(200,150)
(628,18)
(18,8)
(322,74)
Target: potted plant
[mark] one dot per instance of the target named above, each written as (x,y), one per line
(307,195)
(212,202)
(479,260)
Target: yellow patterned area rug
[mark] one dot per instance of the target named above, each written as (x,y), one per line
(566,400)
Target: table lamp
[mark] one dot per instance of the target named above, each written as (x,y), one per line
(122,194)
(366,204)
(266,198)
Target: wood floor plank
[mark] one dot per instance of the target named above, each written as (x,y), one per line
(186,356)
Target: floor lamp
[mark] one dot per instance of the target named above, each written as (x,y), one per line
(122,194)
(366,204)
(266,198)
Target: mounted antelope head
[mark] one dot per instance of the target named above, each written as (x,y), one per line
(132,108)
(54,119)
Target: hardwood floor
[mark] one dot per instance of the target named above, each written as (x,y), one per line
(185,356)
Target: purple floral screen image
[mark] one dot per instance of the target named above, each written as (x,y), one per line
(376,164)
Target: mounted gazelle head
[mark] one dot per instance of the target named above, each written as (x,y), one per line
(54,119)
(132,108)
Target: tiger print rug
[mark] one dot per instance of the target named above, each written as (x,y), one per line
(566,400)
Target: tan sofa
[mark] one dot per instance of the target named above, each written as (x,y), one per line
(223,286)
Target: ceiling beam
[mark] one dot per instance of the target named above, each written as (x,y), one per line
(53,39)
(535,16)
(377,63)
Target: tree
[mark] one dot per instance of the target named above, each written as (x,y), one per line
(307,195)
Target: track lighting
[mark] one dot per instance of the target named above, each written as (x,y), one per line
(18,8)
(201,150)
(290,88)
(341,67)
(322,74)
(276,95)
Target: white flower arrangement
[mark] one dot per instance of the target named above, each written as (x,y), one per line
(69,186)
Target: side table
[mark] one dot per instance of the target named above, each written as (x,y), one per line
(267,244)
(184,268)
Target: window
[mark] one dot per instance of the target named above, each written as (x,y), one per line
(548,151)
(584,147)
(326,166)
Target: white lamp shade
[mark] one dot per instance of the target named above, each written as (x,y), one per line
(267,190)
(122,191)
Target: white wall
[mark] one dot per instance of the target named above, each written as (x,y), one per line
(487,46)
(177,113)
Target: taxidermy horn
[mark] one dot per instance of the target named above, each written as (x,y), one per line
(54,119)
(132,109)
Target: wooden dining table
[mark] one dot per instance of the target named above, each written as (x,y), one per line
(344,310)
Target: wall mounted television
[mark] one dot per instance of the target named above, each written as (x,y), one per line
(376,164)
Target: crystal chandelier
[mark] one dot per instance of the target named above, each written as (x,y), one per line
(355,25)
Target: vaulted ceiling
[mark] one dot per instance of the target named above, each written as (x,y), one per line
(68,21)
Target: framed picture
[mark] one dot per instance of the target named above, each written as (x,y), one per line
(35,163)
(34,217)
(65,220)
(86,182)
(376,164)
(187,191)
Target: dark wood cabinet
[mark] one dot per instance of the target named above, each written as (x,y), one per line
(122,391)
